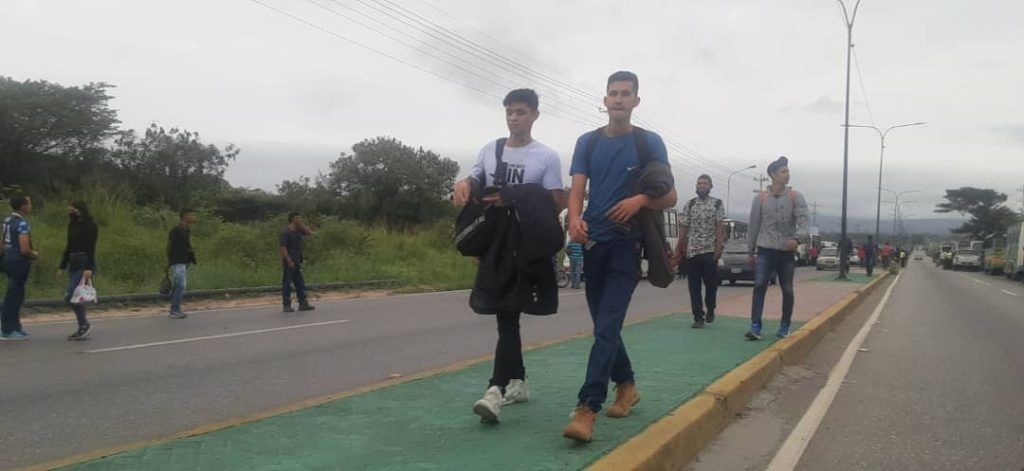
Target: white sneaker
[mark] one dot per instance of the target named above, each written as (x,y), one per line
(489,408)
(516,391)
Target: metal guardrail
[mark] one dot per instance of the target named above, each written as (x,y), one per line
(209,293)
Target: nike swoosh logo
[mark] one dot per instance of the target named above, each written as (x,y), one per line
(630,169)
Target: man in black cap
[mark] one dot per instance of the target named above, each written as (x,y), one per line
(778,225)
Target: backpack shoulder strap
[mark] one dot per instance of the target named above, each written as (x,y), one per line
(643,152)
(792,197)
(591,144)
(499,151)
(764,197)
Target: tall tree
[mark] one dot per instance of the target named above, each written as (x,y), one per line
(48,130)
(386,181)
(986,207)
(172,166)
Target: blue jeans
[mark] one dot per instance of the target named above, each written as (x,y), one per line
(576,266)
(293,276)
(74,279)
(612,270)
(17,277)
(178,276)
(773,261)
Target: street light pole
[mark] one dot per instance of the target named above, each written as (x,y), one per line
(849,20)
(728,187)
(881,157)
(896,205)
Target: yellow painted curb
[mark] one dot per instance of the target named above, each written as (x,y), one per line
(672,442)
(738,387)
(673,439)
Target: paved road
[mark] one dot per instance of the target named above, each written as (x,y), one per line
(938,386)
(57,401)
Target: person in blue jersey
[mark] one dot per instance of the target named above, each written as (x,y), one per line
(611,160)
(18,258)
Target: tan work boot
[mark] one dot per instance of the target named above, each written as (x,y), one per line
(626,396)
(581,428)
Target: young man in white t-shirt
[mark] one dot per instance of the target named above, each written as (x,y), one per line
(524,161)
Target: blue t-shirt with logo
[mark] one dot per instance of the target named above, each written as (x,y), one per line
(14,227)
(613,169)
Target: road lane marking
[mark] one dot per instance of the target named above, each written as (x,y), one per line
(213,337)
(969,277)
(793,448)
(1011,293)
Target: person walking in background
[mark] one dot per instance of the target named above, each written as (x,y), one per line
(179,256)
(870,251)
(702,239)
(886,254)
(574,250)
(18,257)
(291,241)
(778,225)
(79,259)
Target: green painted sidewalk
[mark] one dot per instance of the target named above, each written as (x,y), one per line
(428,424)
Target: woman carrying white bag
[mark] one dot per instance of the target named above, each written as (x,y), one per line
(80,260)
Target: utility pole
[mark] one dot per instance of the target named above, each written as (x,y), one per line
(814,214)
(848,19)
(1021,191)
(761,181)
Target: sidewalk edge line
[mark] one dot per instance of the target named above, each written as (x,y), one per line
(676,439)
(301,405)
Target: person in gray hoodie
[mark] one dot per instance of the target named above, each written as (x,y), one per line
(778,225)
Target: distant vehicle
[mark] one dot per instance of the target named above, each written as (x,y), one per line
(735,229)
(735,263)
(854,258)
(967,259)
(828,259)
(994,256)
(946,252)
(1014,266)
(977,245)
(918,256)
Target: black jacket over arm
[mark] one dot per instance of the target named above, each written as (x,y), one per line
(655,181)
(517,273)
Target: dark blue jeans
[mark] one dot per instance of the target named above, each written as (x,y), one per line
(17,277)
(612,270)
(702,268)
(74,278)
(773,261)
(293,276)
(575,266)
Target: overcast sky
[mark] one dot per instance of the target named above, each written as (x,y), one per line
(729,82)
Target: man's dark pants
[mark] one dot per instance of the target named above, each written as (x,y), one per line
(17,277)
(293,276)
(612,270)
(702,269)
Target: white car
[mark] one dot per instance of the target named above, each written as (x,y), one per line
(966,259)
(828,259)
(854,259)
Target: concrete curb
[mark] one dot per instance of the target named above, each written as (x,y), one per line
(672,442)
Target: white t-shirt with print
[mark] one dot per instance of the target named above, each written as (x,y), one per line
(532,163)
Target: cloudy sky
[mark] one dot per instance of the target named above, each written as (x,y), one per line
(729,83)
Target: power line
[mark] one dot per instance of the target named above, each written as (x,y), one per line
(863,90)
(688,156)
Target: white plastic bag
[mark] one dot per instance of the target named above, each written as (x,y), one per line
(84,293)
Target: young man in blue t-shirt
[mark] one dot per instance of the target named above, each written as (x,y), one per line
(18,257)
(609,159)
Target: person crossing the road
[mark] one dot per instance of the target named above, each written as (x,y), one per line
(79,259)
(17,263)
(778,225)
(701,239)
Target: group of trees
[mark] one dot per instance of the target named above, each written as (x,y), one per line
(56,140)
(987,208)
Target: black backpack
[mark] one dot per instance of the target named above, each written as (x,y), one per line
(473,234)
